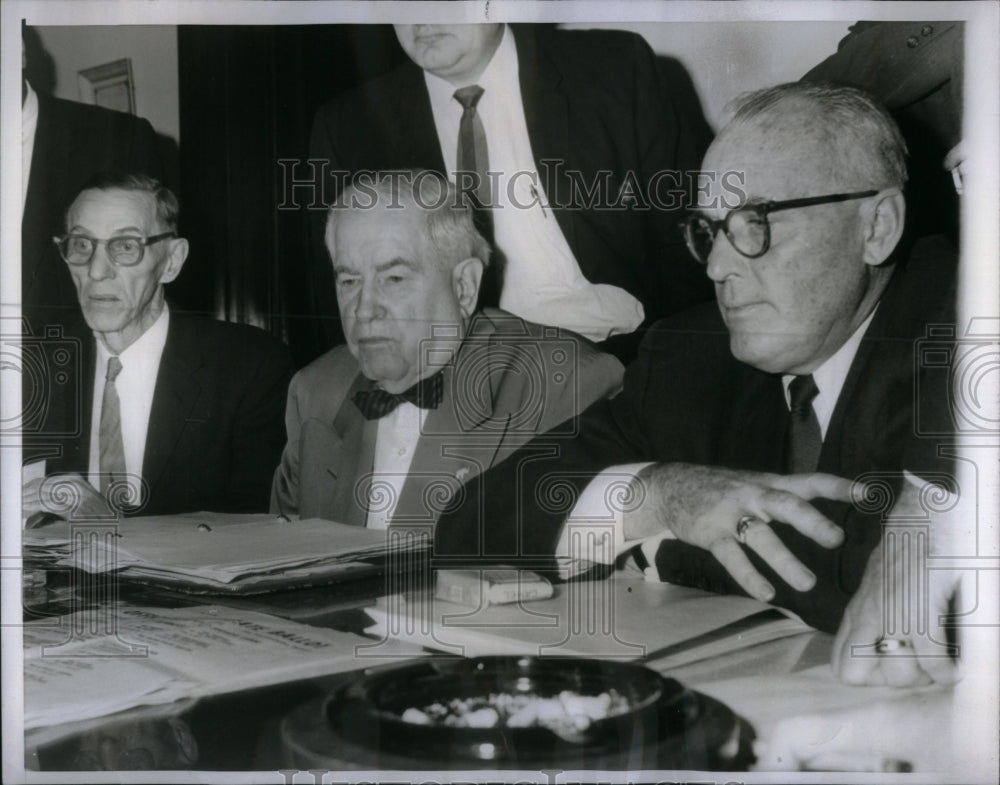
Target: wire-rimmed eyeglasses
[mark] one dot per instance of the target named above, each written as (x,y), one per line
(747,227)
(123,251)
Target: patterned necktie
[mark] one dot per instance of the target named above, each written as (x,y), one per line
(804,440)
(112,460)
(472,165)
(425,394)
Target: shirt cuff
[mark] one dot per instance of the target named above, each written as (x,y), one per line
(594,531)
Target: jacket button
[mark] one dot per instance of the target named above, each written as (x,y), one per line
(912,42)
(926,30)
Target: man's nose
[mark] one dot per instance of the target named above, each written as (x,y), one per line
(724,260)
(100,266)
(369,302)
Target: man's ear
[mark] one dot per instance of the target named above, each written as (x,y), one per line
(465,279)
(884,225)
(176,257)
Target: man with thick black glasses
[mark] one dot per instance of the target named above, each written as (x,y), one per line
(177,413)
(742,425)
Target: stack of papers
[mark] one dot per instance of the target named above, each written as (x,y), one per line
(77,668)
(621,618)
(208,552)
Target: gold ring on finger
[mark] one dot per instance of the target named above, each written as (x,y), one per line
(743,526)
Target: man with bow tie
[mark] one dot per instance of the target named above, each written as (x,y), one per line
(427,393)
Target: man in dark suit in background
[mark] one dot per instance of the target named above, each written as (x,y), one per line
(178,413)
(806,364)
(915,69)
(64,144)
(579,127)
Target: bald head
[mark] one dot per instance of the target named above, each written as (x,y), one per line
(823,267)
(845,137)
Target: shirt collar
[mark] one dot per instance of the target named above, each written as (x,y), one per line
(831,375)
(501,71)
(149,344)
(495,79)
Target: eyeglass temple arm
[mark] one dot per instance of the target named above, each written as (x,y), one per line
(809,201)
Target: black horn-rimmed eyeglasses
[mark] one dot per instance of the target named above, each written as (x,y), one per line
(747,227)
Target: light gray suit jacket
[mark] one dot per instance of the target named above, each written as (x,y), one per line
(510,381)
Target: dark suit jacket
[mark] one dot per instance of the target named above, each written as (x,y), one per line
(595,104)
(73,142)
(215,430)
(915,69)
(510,381)
(687,399)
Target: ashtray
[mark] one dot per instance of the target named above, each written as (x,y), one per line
(521,713)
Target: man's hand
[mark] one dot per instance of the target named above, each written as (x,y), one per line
(702,506)
(901,734)
(891,632)
(68,496)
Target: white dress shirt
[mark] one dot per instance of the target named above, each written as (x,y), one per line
(29,124)
(395,442)
(830,376)
(592,507)
(135,384)
(542,279)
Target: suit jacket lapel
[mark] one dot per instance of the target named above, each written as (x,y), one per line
(439,465)
(175,397)
(350,459)
(848,441)
(756,436)
(546,113)
(421,150)
(453,448)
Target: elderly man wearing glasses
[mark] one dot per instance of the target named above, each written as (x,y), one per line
(178,413)
(742,425)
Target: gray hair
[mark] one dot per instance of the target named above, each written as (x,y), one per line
(447,212)
(846,119)
(167,207)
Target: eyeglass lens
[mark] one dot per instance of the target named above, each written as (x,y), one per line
(78,249)
(746,229)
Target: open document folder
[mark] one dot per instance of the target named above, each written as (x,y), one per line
(206,552)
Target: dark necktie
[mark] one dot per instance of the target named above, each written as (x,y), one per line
(472,164)
(804,440)
(112,457)
(425,394)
